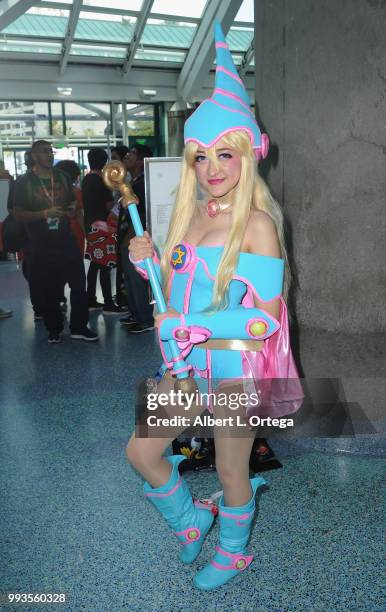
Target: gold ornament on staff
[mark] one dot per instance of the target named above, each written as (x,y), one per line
(114,175)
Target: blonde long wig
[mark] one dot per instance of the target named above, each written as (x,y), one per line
(251,192)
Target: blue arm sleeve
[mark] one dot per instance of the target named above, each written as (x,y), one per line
(242,323)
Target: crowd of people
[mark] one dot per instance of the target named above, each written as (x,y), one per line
(65,220)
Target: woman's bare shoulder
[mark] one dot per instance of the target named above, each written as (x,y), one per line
(261,235)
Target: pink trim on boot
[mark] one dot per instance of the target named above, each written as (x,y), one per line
(239,517)
(191,534)
(179,483)
(239,563)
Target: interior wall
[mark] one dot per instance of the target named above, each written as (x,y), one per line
(320,93)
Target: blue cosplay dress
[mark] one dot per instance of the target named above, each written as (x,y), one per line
(191,285)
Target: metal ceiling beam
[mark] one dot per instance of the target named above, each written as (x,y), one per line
(12,9)
(247,57)
(84,42)
(94,109)
(68,39)
(139,28)
(38,80)
(202,51)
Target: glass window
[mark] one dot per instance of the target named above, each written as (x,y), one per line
(104,27)
(133,5)
(57,119)
(24,46)
(24,119)
(246,12)
(166,7)
(158,55)
(170,35)
(87,119)
(239,39)
(98,51)
(140,120)
(40,22)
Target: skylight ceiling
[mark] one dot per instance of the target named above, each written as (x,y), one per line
(167,34)
(129,34)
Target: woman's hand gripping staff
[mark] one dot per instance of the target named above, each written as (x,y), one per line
(114,175)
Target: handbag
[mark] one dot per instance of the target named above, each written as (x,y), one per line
(101,245)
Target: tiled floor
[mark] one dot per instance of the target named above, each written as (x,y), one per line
(73,518)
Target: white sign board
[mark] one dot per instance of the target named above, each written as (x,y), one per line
(162,178)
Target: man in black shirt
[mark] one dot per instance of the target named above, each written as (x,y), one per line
(44,200)
(97,203)
(137,288)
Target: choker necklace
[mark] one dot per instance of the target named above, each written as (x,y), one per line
(214,208)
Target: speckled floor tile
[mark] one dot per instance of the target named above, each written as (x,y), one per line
(73,518)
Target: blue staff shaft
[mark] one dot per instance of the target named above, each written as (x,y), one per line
(157,291)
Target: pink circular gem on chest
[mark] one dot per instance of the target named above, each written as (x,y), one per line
(212,208)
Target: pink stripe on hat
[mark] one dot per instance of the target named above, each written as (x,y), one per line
(229,73)
(222,92)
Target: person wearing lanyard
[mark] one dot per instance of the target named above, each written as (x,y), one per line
(44,200)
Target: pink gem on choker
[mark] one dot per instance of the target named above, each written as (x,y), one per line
(214,208)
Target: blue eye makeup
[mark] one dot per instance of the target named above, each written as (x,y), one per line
(225,156)
(199,158)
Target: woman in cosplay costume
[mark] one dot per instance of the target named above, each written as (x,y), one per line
(223,269)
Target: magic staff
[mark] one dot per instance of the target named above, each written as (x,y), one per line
(114,175)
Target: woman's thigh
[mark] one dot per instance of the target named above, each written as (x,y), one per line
(156,429)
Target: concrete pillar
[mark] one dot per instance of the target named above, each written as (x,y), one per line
(320,93)
(177,116)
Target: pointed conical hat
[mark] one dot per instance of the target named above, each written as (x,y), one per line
(228,109)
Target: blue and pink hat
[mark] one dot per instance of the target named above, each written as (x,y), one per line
(228,109)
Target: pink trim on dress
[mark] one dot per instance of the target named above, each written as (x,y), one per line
(188,288)
(273,374)
(209,371)
(206,269)
(248,283)
(221,45)
(185,369)
(170,282)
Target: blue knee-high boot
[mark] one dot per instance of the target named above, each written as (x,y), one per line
(230,558)
(190,521)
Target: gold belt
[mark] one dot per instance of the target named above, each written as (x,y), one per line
(231,345)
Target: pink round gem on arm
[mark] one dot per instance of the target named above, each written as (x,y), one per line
(182,334)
